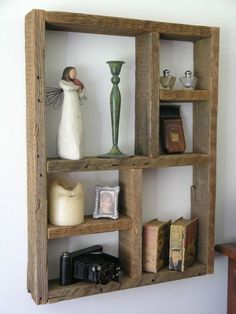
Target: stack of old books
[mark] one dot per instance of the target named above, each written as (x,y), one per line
(166,243)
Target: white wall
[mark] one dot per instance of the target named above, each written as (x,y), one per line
(203,295)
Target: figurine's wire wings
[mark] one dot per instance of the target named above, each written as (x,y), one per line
(54,96)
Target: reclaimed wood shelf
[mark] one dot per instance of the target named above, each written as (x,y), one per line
(80,289)
(148,96)
(184,95)
(136,162)
(90,226)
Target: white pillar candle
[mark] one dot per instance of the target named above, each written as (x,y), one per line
(66,203)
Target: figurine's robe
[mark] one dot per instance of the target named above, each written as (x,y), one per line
(70,139)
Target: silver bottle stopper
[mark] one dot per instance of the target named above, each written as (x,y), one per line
(188,73)
(166,72)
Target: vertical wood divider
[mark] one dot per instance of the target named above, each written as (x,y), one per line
(147,95)
(204,141)
(37,280)
(130,203)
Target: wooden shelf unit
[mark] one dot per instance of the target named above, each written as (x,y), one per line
(148,97)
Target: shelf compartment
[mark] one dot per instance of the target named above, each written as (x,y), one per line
(90,226)
(59,293)
(184,95)
(136,162)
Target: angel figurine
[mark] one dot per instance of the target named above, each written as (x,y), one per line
(70,138)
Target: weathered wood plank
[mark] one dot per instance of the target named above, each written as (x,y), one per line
(184,96)
(59,293)
(228,249)
(97,24)
(136,162)
(36,155)
(130,241)
(231,302)
(206,56)
(81,289)
(90,226)
(147,95)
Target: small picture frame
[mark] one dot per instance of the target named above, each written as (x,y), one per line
(106,202)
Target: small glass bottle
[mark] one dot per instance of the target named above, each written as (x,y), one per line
(167,81)
(188,81)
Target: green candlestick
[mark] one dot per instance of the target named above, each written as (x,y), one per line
(115,103)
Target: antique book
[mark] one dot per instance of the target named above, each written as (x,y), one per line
(171,130)
(183,243)
(156,237)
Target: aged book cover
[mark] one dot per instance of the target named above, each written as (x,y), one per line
(156,237)
(172,136)
(171,129)
(183,243)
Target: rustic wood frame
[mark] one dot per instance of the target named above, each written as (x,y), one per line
(148,98)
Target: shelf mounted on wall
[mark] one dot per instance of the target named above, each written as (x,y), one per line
(147,99)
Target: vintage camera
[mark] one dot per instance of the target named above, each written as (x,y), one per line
(90,264)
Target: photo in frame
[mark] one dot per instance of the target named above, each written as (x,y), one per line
(106,202)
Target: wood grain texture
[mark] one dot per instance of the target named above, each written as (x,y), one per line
(228,249)
(231,302)
(97,24)
(184,96)
(36,155)
(90,226)
(206,58)
(136,162)
(59,293)
(147,95)
(130,241)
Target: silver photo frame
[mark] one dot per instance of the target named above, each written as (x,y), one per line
(106,202)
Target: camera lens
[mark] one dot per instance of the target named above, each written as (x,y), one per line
(106,274)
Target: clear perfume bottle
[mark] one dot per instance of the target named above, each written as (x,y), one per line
(167,81)
(188,81)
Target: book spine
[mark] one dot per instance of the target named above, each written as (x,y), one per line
(191,243)
(177,248)
(150,248)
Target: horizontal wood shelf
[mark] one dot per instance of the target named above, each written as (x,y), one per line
(136,162)
(184,95)
(59,293)
(98,24)
(90,226)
